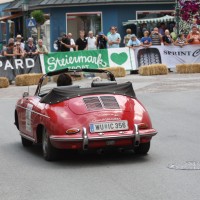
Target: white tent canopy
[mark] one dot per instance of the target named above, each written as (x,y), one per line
(165,18)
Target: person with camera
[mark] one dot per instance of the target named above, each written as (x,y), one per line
(101,41)
(156,37)
(30,48)
(65,44)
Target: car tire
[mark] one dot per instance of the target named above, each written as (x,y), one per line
(49,152)
(143,148)
(26,143)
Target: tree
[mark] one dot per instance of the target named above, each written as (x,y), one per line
(38,15)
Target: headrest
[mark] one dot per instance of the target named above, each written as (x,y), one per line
(68,86)
(103,83)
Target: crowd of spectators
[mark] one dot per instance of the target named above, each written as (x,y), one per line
(18,48)
(164,37)
(158,36)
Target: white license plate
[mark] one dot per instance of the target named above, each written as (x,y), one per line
(109,126)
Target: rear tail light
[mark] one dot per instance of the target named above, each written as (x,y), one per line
(72,131)
(143,126)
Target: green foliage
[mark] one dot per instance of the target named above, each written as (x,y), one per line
(38,15)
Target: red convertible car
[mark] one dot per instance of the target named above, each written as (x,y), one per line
(103,115)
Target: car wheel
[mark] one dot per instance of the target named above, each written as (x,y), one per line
(49,152)
(143,148)
(26,143)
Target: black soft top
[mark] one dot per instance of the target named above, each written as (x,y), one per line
(60,94)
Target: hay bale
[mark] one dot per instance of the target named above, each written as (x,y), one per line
(154,69)
(117,71)
(188,68)
(28,79)
(4,83)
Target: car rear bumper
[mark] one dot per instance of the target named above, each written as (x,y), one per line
(85,142)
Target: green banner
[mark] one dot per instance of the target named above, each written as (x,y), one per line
(92,59)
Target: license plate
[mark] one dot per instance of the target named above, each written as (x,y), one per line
(109,126)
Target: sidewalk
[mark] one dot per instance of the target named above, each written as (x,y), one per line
(141,84)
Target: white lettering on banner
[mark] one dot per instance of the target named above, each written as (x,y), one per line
(55,62)
(30,63)
(18,63)
(8,65)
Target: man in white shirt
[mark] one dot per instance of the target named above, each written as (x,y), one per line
(91,41)
(114,38)
(72,43)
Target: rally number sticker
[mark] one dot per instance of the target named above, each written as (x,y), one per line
(28,117)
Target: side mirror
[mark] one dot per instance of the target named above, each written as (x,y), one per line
(25,94)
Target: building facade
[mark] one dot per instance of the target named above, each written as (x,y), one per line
(71,16)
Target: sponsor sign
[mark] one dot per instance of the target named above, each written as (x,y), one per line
(130,59)
(93,59)
(10,66)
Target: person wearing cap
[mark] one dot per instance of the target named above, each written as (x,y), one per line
(194,36)
(133,42)
(91,40)
(101,41)
(19,39)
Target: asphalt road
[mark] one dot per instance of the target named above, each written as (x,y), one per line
(169,171)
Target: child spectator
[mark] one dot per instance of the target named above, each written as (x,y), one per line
(146,41)
(181,40)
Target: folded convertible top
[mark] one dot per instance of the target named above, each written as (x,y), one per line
(57,95)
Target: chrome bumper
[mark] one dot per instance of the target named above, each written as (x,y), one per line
(136,136)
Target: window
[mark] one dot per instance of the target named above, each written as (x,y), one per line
(84,21)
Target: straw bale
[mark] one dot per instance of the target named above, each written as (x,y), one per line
(188,68)
(4,83)
(28,79)
(117,71)
(154,69)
